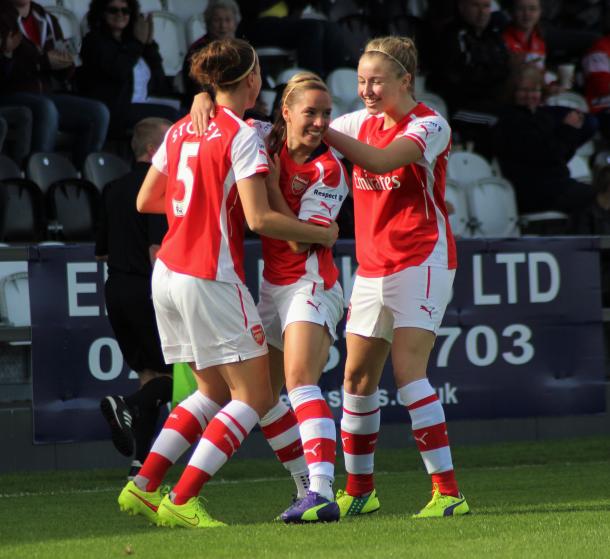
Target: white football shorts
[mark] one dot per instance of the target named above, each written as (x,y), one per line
(303,301)
(204,321)
(414,297)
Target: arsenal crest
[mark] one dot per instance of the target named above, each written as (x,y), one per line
(299,184)
(258,334)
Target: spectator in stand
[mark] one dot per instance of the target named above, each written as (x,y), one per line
(129,242)
(15,120)
(523,36)
(321,45)
(471,71)
(221,20)
(534,147)
(596,69)
(122,66)
(570,27)
(38,76)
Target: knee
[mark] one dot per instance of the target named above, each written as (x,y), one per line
(359,382)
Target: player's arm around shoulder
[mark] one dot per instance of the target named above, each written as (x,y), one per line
(402,151)
(263,220)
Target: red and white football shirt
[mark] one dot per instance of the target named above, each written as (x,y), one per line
(400,217)
(204,212)
(533,48)
(596,66)
(315,192)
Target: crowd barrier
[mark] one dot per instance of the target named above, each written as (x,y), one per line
(522,335)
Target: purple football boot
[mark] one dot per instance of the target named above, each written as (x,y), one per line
(312,508)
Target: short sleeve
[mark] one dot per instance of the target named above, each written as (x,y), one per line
(262,128)
(322,201)
(431,133)
(159,160)
(350,123)
(248,154)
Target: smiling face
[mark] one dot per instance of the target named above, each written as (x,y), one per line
(307,118)
(116,15)
(379,86)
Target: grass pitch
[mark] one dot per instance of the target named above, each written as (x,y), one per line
(547,499)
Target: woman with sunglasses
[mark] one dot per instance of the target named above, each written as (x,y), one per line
(121,64)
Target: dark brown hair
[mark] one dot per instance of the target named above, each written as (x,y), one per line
(223,63)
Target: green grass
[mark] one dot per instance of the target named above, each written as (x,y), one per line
(547,499)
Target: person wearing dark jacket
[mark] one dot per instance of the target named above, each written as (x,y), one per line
(128,241)
(122,66)
(471,71)
(38,71)
(533,148)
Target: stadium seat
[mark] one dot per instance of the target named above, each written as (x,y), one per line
(466,167)
(343,84)
(356,105)
(268,97)
(493,207)
(46,168)
(15,300)
(195,28)
(544,223)
(148,6)
(420,85)
(339,108)
(455,194)
(568,99)
(21,215)
(579,169)
(286,74)
(274,60)
(186,9)
(601,159)
(69,22)
(101,168)
(8,168)
(169,35)
(73,207)
(435,102)
(77,7)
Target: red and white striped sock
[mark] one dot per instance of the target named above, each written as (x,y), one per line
(182,428)
(221,439)
(281,429)
(430,433)
(359,433)
(319,436)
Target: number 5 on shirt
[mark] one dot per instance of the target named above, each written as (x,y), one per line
(188,151)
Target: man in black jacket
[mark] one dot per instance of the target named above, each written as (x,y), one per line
(471,70)
(129,241)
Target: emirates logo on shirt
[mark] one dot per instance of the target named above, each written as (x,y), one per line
(258,334)
(299,184)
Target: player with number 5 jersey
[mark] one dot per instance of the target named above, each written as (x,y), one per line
(406,265)
(206,316)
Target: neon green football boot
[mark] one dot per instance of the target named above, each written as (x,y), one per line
(191,514)
(443,505)
(353,506)
(133,500)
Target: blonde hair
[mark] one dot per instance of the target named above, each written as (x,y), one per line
(401,51)
(299,83)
